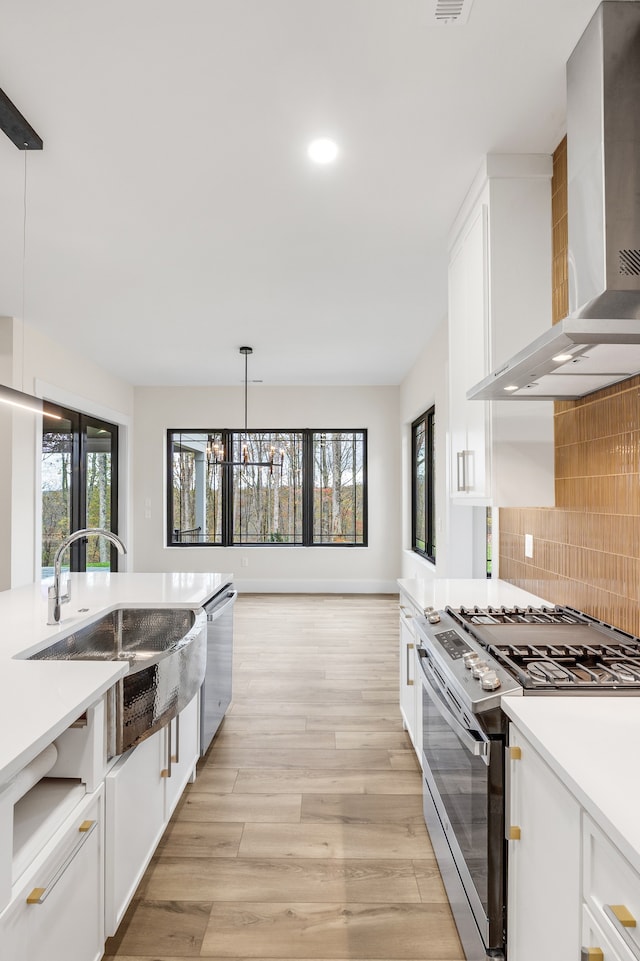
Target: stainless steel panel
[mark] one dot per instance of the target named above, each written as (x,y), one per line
(217,686)
(472,942)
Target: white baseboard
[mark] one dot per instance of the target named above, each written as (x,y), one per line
(314,586)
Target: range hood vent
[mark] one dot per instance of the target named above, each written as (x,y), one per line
(571,359)
(601,335)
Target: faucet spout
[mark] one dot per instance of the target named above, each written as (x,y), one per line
(55,596)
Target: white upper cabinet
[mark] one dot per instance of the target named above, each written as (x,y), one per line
(501,452)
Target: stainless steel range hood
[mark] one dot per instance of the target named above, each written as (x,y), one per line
(598,344)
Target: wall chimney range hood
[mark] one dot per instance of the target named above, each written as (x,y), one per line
(598,343)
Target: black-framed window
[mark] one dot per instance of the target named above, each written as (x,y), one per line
(423,537)
(79,488)
(315,495)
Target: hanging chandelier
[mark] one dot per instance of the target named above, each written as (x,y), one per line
(215,452)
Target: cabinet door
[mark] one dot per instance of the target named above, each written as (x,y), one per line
(134,823)
(183,732)
(407,673)
(543,820)
(468,294)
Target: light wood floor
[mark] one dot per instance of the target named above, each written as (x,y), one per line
(303,836)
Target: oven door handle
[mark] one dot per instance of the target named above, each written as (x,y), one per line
(479,748)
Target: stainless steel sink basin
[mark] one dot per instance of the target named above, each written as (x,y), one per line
(166,650)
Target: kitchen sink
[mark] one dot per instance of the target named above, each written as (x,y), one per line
(166,649)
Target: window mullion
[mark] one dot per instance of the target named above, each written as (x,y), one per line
(307,487)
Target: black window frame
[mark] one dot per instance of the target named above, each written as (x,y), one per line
(80,422)
(427,419)
(307,435)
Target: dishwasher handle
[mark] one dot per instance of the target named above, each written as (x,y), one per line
(217,610)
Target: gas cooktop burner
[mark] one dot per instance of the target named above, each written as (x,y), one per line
(560,649)
(515,615)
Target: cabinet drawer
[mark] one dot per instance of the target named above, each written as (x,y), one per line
(596,945)
(57,913)
(611,889)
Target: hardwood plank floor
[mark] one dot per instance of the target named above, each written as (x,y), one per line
(303,835)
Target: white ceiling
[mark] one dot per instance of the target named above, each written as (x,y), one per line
(173,216)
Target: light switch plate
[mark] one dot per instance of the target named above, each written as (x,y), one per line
(528,545)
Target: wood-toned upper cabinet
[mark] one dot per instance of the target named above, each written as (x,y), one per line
(500,452)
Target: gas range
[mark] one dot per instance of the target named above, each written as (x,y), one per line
(490,651)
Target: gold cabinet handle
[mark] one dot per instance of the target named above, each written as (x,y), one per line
(166,772)
(40,895)
(511,831)
(176,757)
(410,647)
(621,914)
(591,954)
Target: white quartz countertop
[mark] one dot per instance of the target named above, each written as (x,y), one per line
(591,744)
(438,592)
(39,699)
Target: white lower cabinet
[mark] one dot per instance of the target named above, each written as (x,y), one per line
(58,910)
(572,893)
(142,790)
(134,823)
(543,822)
(410,688)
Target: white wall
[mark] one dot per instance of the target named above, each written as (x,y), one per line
(457,527)
(34,363)
(286,569)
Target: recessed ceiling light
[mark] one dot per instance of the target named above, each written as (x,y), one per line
(562,358)
(323,150)
(512,387)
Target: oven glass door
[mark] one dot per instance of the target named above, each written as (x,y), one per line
(457,755)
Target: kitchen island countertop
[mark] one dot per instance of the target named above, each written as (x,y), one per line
(39,699)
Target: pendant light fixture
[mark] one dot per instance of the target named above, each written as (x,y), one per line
(22,134)
(215,452)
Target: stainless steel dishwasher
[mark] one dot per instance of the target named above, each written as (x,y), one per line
(215,695)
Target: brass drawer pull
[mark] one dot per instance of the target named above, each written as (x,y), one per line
(410,647)
(591,954)
(513,833)
(622,914)
(40,895)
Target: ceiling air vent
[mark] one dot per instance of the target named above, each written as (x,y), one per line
(452,11)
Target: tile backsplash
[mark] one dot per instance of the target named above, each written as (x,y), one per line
(587,548)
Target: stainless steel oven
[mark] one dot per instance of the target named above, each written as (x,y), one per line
(470,658)
(464,809)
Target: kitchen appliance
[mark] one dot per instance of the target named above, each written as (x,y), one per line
(215,694)
(599,342)
(470,658)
